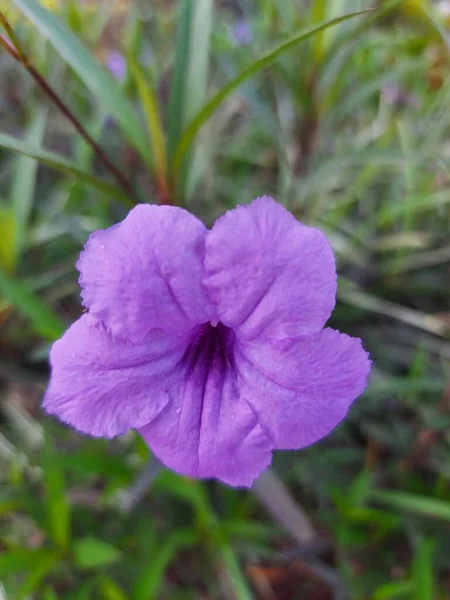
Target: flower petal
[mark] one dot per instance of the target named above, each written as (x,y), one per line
(103,388)
(269,275)
(207,430)
(145,273)
(302,389)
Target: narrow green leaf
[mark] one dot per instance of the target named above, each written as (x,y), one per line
(152,114)
(20,560)
(22,193)
(394,590)
(232,568)
(189,490)
(318,14)
(91,553)
(360,488)
(57,503)
(196,90)
(111,591)
(221,550)
(42,318)
(39,571)
(49,594)
(55,161)
(95,77)
(248,529)
(150,579)
(421,505)
(354,297)
(378,13)
(199,47)
(422,570)
(202,117)
(7,239)
(178,91)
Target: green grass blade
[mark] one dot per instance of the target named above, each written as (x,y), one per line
(360,488)
(150,579)
(384,9)
(202,117)
(347,294)
(394,590)
(18,560)
(36,564)
(201,27)
(22,193)
(232,568)
(110,590)
(318,14)
(57,503)
(40,570)
(60,163)
(420,505)
(7,239)
(96,78)
(49,594)
(422,570)
(152,114)
(178,87)
(196,91)
(195,494)
(42,318)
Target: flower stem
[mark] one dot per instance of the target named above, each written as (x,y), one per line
(136,492)
(278,501)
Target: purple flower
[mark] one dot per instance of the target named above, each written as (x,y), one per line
(209,343)
(241,33)
(394,94)
(117,64)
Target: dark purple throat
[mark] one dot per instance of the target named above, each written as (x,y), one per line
(212,347)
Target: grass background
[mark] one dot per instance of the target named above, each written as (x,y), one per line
(213,104)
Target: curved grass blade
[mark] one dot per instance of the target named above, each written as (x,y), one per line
(60,163)
(94,76)
(202,117)
(420,505)
(355,297)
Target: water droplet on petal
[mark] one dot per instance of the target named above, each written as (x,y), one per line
(233,416)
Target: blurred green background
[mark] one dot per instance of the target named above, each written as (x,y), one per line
(209,104)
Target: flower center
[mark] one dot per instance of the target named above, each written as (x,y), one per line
(212,348)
